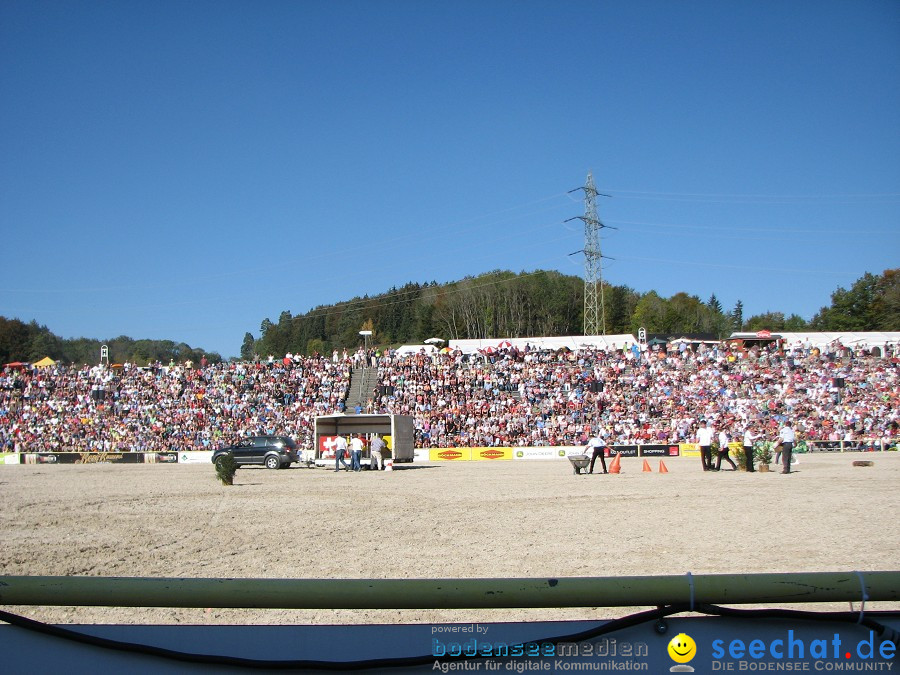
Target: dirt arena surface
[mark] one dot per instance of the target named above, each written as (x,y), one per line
(475,519)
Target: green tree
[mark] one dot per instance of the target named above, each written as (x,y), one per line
(248,347)
(773,321)
(870,304)
(737,316)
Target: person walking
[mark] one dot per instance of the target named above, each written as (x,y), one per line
(723,451)
(704,440)
(598,445)
(340,451)
(786,438)
(377,446)
(356,448)
(749,437)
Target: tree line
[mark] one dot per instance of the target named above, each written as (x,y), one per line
(30,342)
(502,304)
(497,304)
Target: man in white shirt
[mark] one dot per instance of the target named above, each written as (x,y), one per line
(723,452)
(356,448)
(749,437)
(340,450)
(786,438)
(598,446)
(704,440)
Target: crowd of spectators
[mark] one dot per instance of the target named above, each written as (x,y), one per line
(628,396)
(514,397)
(164,408)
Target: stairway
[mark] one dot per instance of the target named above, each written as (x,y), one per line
(362,382)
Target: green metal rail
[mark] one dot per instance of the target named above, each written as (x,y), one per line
(800,587)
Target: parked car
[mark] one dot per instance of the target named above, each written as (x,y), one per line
(272,452)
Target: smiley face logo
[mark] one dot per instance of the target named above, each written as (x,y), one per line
(682,648)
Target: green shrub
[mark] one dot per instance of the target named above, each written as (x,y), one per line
(226,467)
(762,451)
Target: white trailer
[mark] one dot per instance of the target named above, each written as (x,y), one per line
(398,431)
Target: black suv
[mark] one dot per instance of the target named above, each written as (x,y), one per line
(272,452)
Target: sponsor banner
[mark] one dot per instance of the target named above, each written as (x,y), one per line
(422,455)
(659,451)
(491,453)
(624,450)
(689,449)
(195,457)
(450,454)
(735,449)
(545,452)
(83,457)
(160,457)
(9,458)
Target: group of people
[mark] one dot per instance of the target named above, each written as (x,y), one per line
(515,397)
(163,408)
(356,447)
(536,397)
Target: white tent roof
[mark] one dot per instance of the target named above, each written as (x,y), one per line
(848,339)
(415,349)
(573,342)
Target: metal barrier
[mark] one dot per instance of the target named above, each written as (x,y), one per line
(544,592)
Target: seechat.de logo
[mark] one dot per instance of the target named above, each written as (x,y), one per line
(682,649)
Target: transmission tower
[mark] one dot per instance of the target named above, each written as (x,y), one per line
(594,312)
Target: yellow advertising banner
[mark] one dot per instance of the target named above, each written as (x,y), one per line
(491,453)
(449,454)
(689,449)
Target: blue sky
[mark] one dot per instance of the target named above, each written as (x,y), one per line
(183,170)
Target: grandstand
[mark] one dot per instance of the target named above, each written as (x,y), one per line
(520,392)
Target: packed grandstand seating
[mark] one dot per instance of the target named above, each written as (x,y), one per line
(513,397)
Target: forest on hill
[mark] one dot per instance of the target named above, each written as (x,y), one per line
(503,304)
(497,304)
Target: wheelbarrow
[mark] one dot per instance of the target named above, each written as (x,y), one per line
(579,462)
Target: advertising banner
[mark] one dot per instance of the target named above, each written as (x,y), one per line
(689,449)
(450,454)
(491,453)
(659,451)
(9,458)
(160,457)
(421,455)
(624,450)
(83,457)
(545,453)
(195,457)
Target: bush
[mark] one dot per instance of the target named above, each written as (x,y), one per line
(226,467)
(763,452)
(741,458)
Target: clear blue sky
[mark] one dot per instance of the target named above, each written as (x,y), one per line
(183,170)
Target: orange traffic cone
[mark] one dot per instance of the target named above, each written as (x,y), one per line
(647,467)
(614,465)
(662,467)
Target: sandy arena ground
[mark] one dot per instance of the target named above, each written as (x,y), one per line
(477,519)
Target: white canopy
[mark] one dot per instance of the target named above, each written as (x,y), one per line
(573,342)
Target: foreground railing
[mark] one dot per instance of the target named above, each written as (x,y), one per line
(801,587)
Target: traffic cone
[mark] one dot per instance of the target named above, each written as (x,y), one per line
(662,467)
(647,468)
(614,465)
